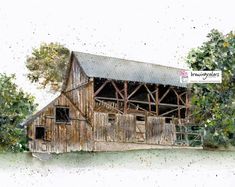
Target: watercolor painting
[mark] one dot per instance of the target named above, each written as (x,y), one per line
(117,93)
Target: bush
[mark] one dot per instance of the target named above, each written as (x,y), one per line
(216,141)
(16,105)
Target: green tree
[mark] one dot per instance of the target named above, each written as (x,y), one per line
(47,65)
(212,103)
(16,105)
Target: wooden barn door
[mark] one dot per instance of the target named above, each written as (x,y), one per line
(140,128)
(126,128)
(114,127)
(99,128)
(159,132)
(105,127)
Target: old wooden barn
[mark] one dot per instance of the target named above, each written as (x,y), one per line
(111,104)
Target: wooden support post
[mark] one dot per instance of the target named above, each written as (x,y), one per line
(149,92)
(117,99)
(187,104)
(125,97)
(149,103)
(92,105)
(178,103)
(157,99)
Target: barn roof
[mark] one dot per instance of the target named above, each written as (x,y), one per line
(121,69)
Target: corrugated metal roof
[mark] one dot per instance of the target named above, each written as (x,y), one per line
(120,69)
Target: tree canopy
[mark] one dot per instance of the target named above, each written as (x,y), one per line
(212,103)
(16,105)
(47,65)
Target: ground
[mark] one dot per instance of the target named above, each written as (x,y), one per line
(171,167)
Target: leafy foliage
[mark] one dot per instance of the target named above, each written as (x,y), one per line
(47,65)
(213,102)
(16,105)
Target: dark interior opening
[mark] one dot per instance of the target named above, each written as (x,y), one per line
(140,95)
(168,120)
(140,118)
(62,114)
(164,109)
(40,131)
(142,98)
(182,113)
(111,118)
(170,97)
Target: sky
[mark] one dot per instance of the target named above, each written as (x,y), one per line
(154,31)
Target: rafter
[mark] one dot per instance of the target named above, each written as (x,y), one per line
(136,89)
(80,86)
(164,95)
(182,93)
(101,87)
(169,112)
(77,108)
(117,90)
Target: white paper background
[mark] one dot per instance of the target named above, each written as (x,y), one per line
(153,31)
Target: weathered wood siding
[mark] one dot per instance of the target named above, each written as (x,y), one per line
(80,89)
(155,129)
(124,129)
(159,132)
(75,135)
(121,130)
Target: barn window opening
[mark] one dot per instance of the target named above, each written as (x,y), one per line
(111,118)
(40,132)
(168,120)
(62,115)
(140,118)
